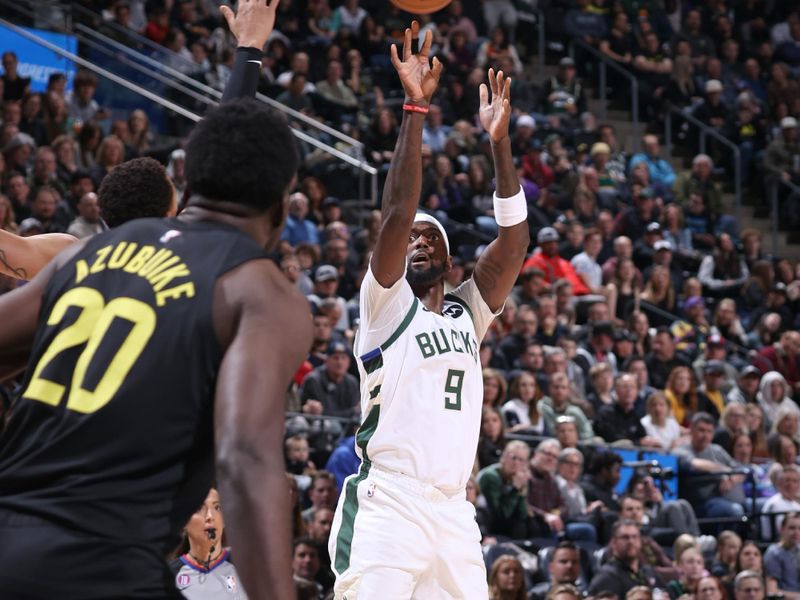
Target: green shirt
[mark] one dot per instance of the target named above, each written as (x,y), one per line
(504,500)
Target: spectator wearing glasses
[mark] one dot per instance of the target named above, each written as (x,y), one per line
(505,487)
(624,570)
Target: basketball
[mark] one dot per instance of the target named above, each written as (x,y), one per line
(420,7)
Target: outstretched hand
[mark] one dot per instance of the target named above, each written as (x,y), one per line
(495,114)
(252,23)
(419,77)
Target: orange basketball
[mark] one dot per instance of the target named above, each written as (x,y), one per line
(420,7)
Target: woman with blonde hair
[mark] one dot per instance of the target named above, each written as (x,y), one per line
(659,423)
(564,591)
(674,230)
(787,422)
(110,153)
(507,580)
(691,567)
(728,545)
(494,388)
(681,90)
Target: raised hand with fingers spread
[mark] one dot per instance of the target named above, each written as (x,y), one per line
(252,23)
(496,113)
(419,76)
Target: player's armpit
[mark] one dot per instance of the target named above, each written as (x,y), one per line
(23,258)
(270,333)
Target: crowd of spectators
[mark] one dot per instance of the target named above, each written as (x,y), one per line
(644,318)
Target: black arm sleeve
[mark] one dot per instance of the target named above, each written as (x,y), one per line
(244,78)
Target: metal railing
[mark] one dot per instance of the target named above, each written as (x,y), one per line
(652,309)
(529,13)
(705,132)
(102,72)
(605,62)
(191,81)
(358,163)
(774,206)
(182,83)
(138,40)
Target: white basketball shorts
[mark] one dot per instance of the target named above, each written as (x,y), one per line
(396,538)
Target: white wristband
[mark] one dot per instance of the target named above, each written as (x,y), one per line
(510,211)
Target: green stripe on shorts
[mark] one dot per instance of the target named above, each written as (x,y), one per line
(344,538)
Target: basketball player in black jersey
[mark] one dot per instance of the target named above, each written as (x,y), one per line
(121,195)
(157,351)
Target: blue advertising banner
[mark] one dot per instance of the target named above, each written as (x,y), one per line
(37,62)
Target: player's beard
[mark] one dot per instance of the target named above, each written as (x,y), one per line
(424,277)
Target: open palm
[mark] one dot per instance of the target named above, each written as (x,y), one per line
(496,113)
(419,77)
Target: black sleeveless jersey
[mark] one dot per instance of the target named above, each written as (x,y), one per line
(112,434)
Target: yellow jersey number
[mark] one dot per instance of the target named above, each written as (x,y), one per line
(90,328)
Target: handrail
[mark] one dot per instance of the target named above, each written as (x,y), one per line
(526,6)
(130,33)
(775,183)
(102,72)
(358,163)
(606,62)
(144,70)
(705,131)
(217,93)
(644,305)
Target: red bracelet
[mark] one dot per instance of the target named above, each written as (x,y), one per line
(414,108)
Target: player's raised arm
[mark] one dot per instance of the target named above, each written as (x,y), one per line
(499,265)
(23,258)
(270,338)
(419,77)
(251,25)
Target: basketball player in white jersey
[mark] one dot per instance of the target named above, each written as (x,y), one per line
(403,527)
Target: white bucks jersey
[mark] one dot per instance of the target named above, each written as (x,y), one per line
(421,382)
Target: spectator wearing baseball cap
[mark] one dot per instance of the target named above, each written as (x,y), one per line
(521,139)
(710,391)
(547,260)
(633,220)
(716,351)
(746,389)
(610,180)
(664,256)
(563,96)
(699,180)
(690,333)
(713,111)
(644,248)
(326,286)
(779,156)
(330,389)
